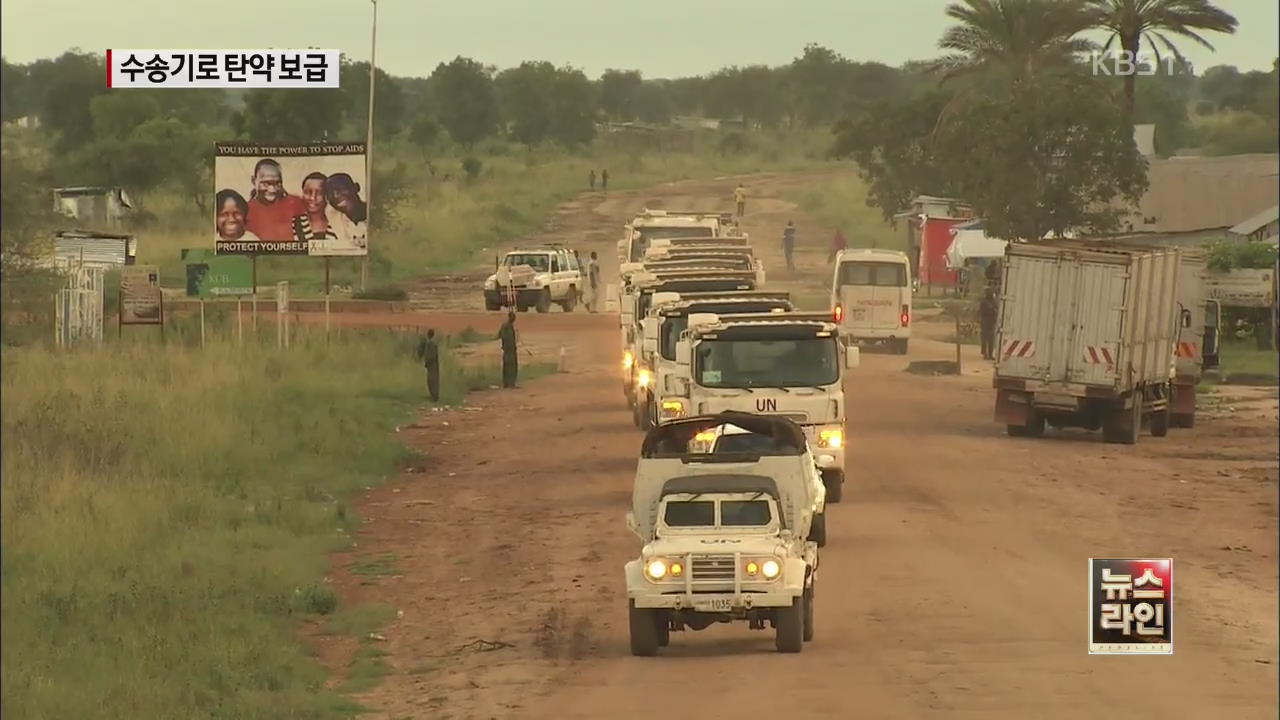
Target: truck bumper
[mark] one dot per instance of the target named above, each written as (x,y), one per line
(828,458)
(875,334)
(527,297)
(718,597)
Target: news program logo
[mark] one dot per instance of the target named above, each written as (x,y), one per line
(1131,606)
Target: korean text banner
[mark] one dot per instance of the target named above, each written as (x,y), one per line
(290,199)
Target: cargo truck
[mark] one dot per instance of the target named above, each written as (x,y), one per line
(1086,338)
(651,225)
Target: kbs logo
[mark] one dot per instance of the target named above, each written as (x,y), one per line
(1131,606)
(1125,63)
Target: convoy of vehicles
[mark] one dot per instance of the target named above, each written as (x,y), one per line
(536,277)
(871,297)
(650,225)
(1086,338)
(726,535)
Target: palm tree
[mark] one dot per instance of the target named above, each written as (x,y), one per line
(1132,21)
(1021,38)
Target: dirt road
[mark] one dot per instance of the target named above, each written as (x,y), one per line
(953,584)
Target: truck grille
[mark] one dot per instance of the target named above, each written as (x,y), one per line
(712,567)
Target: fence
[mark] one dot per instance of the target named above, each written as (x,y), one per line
(78,307)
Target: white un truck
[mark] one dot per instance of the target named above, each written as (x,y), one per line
(652,225)
(660,330)
(1086,338)
(725,535)
(788,364)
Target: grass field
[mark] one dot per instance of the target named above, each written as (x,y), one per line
(167,516)
(446,225)
(1245,362)
(840,204)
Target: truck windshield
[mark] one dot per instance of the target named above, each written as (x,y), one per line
(690,514)
(537,261)
(799,362)
(879,274)
(744,513)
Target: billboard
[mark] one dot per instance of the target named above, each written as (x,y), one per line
(140,299)
(210,275)
(290,199)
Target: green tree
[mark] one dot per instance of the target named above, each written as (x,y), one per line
(67,85)
(890,144)
(654,103)
(292,115)
(754,94)
(117,113)
(467,102)
(1131,22)
(573,104)
(1057,156)
(26,285)
(1218,82)
(525,99)
(388,102)
(1014,39)
(820,82)
(620,93)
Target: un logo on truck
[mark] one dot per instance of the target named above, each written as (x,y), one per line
(766,405)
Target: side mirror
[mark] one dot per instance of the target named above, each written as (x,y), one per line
(1186,318)
(852,357)
(682,353)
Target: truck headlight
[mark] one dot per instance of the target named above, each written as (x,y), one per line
(770,569)
(831,438)
(643,378)
(656,569)
(672,408)
(628,360)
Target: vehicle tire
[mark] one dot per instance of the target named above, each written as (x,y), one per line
(900,347)
(571,301)
(522,308)
(664,628)
(1159,423)
(788,625)
(1034,426)
(635,414)
(808,611)
(833,480)
(1122,425)
(544,301)
(818,530)
(649,418)
(644,631)
(1016,430)
(491,306)
(1183,420)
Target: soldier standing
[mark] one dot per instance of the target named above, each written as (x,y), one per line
(987,312)
(591,179)
(593,281)
(604,179)
(740,197)
(429,351)
(789,244)
(507,334)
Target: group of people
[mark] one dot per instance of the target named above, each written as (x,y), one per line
(604,179)
(429,353)
(328,209)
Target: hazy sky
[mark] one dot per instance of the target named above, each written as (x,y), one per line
(662,38)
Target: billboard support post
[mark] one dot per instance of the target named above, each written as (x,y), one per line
(326,300)
(239,323)
(368,147)
(201,323)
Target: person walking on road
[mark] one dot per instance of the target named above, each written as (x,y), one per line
(429,351)
(591,179)
(593,282)
(740,197)
(604,179)
(837,245)
(789,244)
(987,312)
(510,362)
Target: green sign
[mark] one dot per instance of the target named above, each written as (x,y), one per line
(210,275)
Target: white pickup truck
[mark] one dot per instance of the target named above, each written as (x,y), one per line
(535,278)
(725,534)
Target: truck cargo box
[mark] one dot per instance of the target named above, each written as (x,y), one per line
(1083,318)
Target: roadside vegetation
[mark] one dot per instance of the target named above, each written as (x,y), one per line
(167,517)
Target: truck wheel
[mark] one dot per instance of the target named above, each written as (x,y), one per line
(664,628)
(1122,425)
(1159,423)
(648,418)
(491,306)
(808,612)
(818,529)
(522,308)
(1184,420)
(900,347)
(788,622)
(833,481)
(571,301)
(644,631)
(544,301)
(1034,426)
(635,414)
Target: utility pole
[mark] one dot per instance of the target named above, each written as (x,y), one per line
(368,145)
